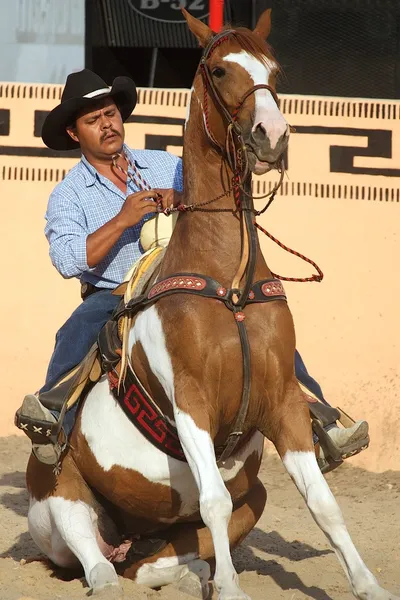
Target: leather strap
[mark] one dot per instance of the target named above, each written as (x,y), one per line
(237,430)
(248,264)
(327,415)
(109,345)
(264,290)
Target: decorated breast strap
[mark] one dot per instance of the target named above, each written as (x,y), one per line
(265,290)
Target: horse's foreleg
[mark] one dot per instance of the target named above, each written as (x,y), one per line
(215,500)
(293,440)
(67,530)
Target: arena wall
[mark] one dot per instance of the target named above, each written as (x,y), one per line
(339,205)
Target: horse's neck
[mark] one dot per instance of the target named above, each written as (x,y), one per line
(204,242)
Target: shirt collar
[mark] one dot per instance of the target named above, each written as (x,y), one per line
(137,157)
(90,173)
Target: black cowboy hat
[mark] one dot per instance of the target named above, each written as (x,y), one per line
(81,90)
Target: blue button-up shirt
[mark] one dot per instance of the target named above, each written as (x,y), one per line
(85,200)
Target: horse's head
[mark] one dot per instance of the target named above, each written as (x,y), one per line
(233,65)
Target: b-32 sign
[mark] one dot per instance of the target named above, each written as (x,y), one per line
(169,11)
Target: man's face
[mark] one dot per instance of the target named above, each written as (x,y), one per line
(99,129)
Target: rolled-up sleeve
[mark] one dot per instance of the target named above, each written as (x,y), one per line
(66,232)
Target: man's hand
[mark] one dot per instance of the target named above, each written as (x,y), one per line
(170,198)
(136,206)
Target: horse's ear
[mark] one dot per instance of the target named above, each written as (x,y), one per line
(263,26)
(198,28)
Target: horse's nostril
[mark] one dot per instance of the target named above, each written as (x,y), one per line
(261,129)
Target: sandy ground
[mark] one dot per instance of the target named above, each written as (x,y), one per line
(285,557)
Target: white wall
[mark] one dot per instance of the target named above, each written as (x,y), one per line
(41,41)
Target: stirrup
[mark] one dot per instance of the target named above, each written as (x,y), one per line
(333,454)
(46,435)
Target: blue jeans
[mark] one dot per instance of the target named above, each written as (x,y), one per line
(78,334)
(305,378)
(309,382)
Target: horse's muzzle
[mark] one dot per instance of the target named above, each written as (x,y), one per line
(268,147)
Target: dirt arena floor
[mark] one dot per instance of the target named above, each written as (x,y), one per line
(285,557)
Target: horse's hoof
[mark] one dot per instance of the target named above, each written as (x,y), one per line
(104,582)
(109,591)
(190,584)
(233,594)
(196,582)
(375,592)
(237,596)
(382,594)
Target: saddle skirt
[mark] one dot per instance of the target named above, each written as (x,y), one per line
(140,278)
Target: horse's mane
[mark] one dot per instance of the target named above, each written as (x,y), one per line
(252,43)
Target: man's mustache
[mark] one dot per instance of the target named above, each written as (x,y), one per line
(103,137)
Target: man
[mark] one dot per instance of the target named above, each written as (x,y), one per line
(94,218)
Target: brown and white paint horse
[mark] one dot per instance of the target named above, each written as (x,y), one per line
(187,354)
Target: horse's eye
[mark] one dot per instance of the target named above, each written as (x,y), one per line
(218,72)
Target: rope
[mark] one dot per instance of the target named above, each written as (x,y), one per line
(314,277)
(136,176)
